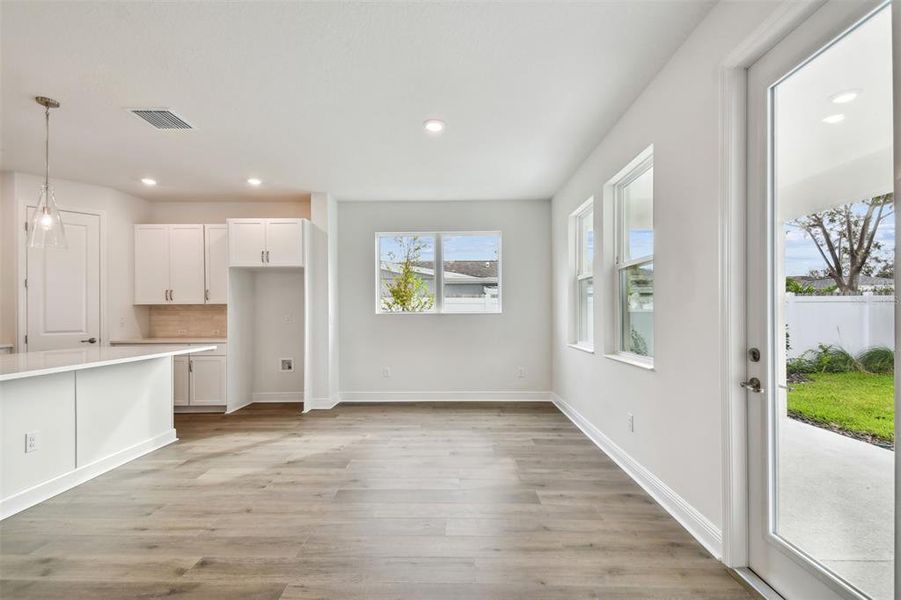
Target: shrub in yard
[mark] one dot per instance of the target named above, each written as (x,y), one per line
(825,359)
(877,360)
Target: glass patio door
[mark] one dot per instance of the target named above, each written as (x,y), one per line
(821,296)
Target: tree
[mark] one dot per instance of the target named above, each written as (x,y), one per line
(846,239)
(407,291)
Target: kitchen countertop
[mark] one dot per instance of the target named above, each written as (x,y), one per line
(172,340)
(47,362)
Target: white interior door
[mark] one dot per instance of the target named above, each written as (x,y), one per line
(151,264)
(284,242)
(216,239)
(186,274)
(821,487)
(63,294)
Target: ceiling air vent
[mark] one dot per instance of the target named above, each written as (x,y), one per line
(161,118)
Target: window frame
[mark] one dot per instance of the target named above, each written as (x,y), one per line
(577,275)
(438,308)
(640,165)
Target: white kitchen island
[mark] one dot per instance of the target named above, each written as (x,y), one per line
(67,416)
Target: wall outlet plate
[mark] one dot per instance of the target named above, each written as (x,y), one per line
(386,371)
(630,421)
(286,365)
(31,441)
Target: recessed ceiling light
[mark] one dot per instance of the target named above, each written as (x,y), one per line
(833,119)
(254,181)
(845,97)
(148,181)
(434,126)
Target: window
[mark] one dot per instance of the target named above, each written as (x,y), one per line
(468,280)
(634,207)
(583,274)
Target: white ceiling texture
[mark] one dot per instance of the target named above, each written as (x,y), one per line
(328,96)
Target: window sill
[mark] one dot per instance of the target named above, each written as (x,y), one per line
(634,360)
(582,348)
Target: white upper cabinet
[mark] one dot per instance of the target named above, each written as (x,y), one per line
(265,242)
(186,276)
(151,264)
(246,242)
(284,242)
(216,240)
(170,264)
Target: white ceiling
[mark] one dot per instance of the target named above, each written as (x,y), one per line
(328,96)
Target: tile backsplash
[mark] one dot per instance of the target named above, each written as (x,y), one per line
(188,320)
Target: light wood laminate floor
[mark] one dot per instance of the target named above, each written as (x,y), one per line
(410,501)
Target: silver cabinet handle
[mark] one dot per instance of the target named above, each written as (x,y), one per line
(262,256)
(267,256)
(166,292)
(171,295)
(206,295)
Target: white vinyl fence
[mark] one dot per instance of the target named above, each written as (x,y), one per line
(854,323)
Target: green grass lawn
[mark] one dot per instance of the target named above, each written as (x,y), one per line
(860,403)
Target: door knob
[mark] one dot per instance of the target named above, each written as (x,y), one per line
(91,340)
(752,385)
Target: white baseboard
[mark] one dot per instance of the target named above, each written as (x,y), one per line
(709,535)
(67,481)
(321,403)
(512,396)
(277,397)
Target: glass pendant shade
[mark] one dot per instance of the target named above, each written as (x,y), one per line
(46,228)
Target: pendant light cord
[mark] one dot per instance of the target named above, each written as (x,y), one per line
(47,147)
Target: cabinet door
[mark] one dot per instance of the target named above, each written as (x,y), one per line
(207,380)
(180,380)
(151,264)
(284,242)
(246,242)
(216,240)
(186,280)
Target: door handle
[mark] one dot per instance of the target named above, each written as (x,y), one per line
(752,385)
(91,340)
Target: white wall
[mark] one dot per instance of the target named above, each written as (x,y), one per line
(278,331)
(442,354)
(122,212)
(209,212)
(676,407)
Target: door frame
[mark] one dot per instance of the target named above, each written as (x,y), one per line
(734,168)
(22,269)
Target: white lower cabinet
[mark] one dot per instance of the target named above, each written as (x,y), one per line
(207,380)
(181,378)
(197,379)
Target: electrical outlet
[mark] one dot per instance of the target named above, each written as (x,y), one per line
(182,331)
(31,442)
(521,372)
(289,318)
(286,364)
(121,322)
(630,420)
(386,371)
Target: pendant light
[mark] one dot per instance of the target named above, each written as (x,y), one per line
(47,227)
